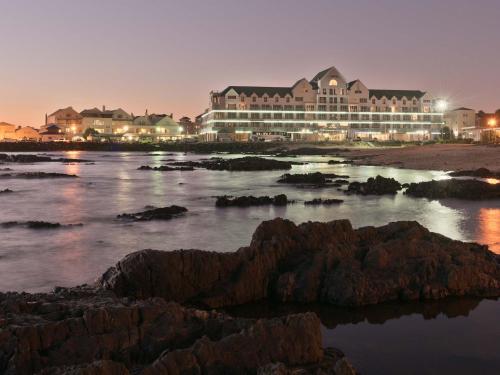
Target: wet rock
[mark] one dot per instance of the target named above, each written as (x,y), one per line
(162,213)
(320,201)
(480,173)
(36,175)
(247,201)
(84,331)
(164,168)
(314,262)
(6,191)
(375,186)
(455,188)
(33,224)
(313,151)
(247,163)
(316,178)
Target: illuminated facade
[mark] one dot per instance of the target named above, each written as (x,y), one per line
(328,106)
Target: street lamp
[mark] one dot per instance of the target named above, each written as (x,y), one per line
(492,122)
(441,105)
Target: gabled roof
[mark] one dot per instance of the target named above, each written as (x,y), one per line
(259,90)
(64,109)
(399,94)
(320,75)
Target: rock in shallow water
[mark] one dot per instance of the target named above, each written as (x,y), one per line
(247,201)
(34,175)
(480,172)
(316,178)
(375,186)
(164,168)
(83,331)
(162,213)
(247,163)
(454,188)
(314,262)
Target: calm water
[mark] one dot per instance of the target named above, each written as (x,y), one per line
(37,260)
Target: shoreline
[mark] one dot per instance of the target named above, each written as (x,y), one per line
(439,157)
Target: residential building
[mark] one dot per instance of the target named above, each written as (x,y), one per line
(26,133)
(328,106)
(101,121)
(68,120)
(486,129)
(13,133)
(6,131)
(52,133)
(458,119)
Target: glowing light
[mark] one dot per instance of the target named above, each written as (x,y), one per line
(441,105)
(125,128)
(492,122)
(181,129)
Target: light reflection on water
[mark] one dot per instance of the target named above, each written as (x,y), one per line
(38,260)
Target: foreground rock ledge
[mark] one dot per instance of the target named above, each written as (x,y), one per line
(326,262)
(81,331)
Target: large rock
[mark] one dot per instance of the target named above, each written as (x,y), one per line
(455,188)
(81,331)
(247,163)
(164,168)
(314,262)
(375,186)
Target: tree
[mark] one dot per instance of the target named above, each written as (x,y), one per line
(446,133)
(88,132)
(497,114)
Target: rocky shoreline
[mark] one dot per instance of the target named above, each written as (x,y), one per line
(151,313)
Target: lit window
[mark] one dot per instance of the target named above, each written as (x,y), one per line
(333,82)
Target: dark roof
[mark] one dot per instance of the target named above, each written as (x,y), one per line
(462,109)
(259,90)
(320,75)
(399,94)
(350,84)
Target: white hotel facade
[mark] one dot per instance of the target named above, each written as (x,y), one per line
(328,106)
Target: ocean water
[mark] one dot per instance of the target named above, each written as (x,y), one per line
(37,260)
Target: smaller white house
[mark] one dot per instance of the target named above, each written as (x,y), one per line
(458,119)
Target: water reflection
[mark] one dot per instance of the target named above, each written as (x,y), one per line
(489,228)
(332,316)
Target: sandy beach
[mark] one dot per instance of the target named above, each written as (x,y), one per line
(450,157)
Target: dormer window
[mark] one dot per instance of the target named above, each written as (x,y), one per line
(276,99)
(265,99)
(254,99)
(242,98)
(333,82)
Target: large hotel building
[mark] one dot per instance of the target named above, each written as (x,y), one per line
(328,106)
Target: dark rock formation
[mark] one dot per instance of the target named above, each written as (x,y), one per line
(247,163)
(341,182)
(35,175)
(81,331)
(37,224)
(247,201)
(455,188)
(164,168)
(314,262)
(316,178)
(29,158)
(6,191)
(320,201)
(162,213)
(375,186)
(480,173)
(313,151)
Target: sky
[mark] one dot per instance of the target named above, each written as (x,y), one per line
(166,56)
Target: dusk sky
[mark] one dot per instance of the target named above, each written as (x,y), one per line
(166,56)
